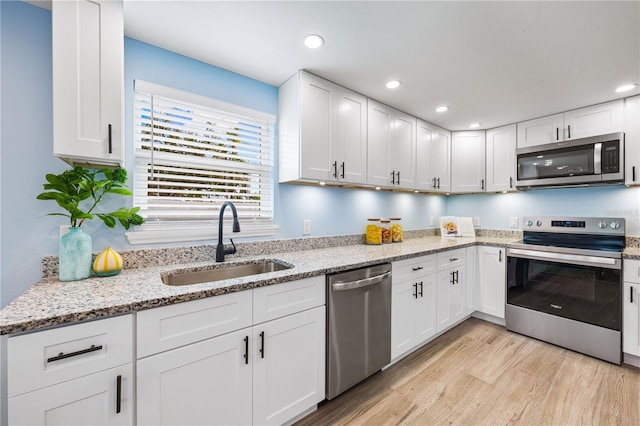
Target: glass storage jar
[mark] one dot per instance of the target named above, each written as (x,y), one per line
(386,232)
(396,229)
(373,232)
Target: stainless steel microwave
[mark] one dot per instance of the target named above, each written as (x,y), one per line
(594,160)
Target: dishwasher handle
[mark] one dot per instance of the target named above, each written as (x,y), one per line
(360,283)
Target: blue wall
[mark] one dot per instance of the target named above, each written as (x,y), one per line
(26,156)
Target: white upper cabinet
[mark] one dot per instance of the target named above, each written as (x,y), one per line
(424,180)
(88,81)
(391,146)
(440,160)
(322,129)
(632,140)
(501,159)
(467,161)
(580,123)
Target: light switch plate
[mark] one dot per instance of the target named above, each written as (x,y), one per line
(513,222)
(306,227)
(430,220)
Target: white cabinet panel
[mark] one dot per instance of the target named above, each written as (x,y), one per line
(351,150)
(451,292)
(632,140)
(471,283)
(467,161)
(631,318)
(88,81)
(441,160)
(501,159)
(204,383)
(594,120)
(423,156)
(275,301)
(104,398)
(540,131)
(492,280)
(288,366)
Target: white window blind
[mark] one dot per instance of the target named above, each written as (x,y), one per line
(192,154)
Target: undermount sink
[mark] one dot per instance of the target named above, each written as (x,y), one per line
(223,271)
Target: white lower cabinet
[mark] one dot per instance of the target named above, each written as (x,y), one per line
(472,295)
(492,280)
(413,314)
(450,289)
(631,308)
(268,373)
(104,398)
(288,366)
(80,374)
(203,383)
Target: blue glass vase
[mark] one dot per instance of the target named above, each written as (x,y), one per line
(74,262)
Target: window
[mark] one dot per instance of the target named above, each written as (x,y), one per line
(191,155)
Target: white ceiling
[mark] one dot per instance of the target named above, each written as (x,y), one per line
(492,62)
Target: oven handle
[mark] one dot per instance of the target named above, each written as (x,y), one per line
(577,259)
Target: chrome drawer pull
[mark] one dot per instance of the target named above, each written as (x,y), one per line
(418,268)
(62,355)
(453,259)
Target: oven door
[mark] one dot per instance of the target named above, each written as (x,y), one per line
(577,287)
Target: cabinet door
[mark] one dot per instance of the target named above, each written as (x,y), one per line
(501,159)
(402,299)
(632,140)
(491,273)
(423,311)
(351,149)
(631,319)
(441,159)
(594,120)
(288,366)
(467,161)
(203,383)
(97,399)
(88,81)
(424,179)
(402,152)
(471,280)
(379,123)
(318,127)
(540,131)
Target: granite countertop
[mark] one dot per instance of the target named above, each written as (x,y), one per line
(51,302)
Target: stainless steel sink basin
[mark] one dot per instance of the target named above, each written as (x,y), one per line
(223,271)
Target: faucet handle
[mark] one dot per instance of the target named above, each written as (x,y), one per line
(234,246)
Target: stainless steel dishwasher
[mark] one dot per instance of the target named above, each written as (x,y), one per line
(358,326)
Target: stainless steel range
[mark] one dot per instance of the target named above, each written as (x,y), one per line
(564,283)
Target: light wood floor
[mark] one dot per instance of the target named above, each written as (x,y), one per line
(481,374)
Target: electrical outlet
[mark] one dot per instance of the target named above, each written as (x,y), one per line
(476,221)
(306,227)
(430,220)
(513,222)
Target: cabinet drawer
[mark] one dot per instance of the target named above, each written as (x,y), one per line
(450,259)
(408,269)
(168,327)
(53,356)
(278,300)
(631,271)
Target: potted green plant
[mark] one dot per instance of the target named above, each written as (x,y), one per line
(79,191)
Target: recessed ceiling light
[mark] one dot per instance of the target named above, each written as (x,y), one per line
(442,108)
(393,84)
(626,88)
(474,125)
(313,41)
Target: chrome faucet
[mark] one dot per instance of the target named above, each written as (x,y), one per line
(221,250)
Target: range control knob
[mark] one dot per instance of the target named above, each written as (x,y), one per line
(539,223)
(529,223)
(602,224)
(614,225)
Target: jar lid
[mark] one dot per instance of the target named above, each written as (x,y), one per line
(376,219)
(395,218)
(384,221)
